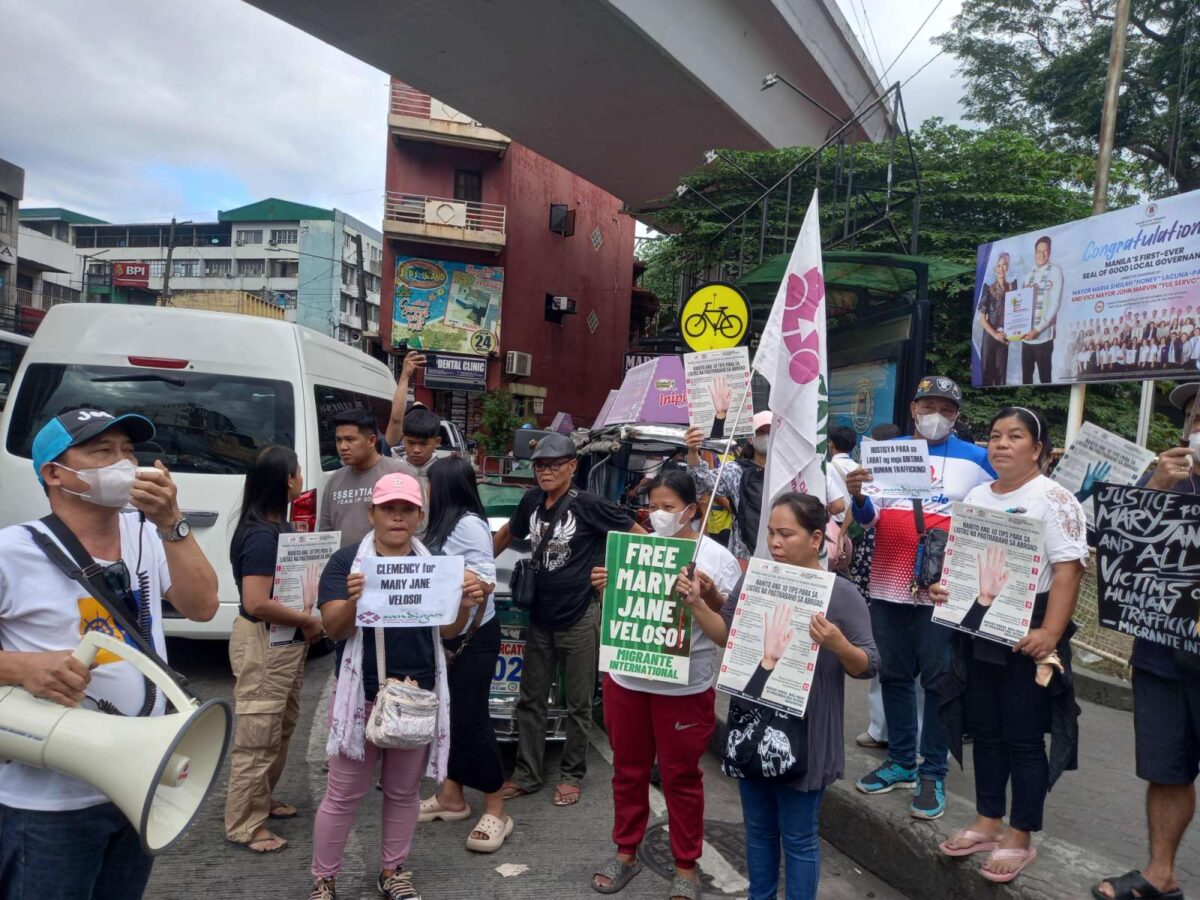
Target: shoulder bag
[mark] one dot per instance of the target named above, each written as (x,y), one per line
(524,573)
(404,716)
(931,552)
(763,744)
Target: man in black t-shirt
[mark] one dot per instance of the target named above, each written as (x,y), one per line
(564,626)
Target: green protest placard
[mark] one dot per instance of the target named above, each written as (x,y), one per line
(646,630)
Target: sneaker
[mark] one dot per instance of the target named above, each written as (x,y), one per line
(398,886)
(930,800)
(887,777)
(865,740)
(323,889)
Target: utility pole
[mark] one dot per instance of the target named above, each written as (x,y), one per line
(362,292)
(165,294)
(1108,127)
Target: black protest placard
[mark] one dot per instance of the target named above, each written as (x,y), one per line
(1148,564)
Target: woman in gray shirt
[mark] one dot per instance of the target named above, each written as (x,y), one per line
(781,814)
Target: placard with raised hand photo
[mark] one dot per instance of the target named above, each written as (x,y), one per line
(991,571)
(714,377)
(1097,456)
(299,562)
(646,627)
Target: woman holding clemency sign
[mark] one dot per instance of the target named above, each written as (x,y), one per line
(1007,698)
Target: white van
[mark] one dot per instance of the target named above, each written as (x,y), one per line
(218,387)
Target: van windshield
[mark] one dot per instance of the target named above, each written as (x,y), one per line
(209,423)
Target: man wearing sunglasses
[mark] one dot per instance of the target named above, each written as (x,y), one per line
(59,836)
(570,529)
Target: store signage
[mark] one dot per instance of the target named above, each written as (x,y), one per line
(448,372)
(131,274)
(449,306)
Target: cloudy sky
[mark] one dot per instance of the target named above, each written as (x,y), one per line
(137,110)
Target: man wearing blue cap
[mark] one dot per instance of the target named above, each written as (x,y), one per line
(59,836)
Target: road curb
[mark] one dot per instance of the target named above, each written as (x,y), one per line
(878,833)
(1104,690)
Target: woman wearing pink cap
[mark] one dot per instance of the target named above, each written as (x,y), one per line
(396,513)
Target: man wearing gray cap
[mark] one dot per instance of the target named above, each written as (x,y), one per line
(1166,703)
(568,530)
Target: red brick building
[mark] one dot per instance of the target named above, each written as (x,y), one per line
(473,221)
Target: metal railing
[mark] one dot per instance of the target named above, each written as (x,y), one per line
(419,209)
(43,299)
(408,101)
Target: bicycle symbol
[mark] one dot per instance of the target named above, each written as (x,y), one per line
(718,319)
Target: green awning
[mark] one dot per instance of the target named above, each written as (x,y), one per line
(884,273)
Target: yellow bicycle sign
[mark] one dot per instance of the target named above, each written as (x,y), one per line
(714,317)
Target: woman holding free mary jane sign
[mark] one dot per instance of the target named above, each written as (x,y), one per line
(646,718)
(994,691)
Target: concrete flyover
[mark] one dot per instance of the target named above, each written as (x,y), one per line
(627,93)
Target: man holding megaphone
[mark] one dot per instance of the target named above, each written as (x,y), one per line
(60,836)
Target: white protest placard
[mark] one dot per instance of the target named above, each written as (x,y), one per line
(1096,456)
(898,468)
(770,657)
(991,570)
(410,591)
(299,562)
(1018,313)
(700,372)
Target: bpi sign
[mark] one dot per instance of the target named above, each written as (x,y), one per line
(131,274)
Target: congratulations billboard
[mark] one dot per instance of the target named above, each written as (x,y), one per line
(448,306)
(1114,297)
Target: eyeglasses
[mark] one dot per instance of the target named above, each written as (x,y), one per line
(549,465)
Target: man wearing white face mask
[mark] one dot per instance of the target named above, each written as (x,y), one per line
(60,836)
(908,640)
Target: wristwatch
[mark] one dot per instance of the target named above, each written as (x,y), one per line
(177,532)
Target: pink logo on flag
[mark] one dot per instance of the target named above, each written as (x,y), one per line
(804,297)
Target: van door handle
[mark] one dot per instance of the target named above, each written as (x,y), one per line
(200,518)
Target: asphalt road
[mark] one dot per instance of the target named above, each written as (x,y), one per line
(558,848)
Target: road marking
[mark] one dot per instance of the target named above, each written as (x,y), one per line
(724,876)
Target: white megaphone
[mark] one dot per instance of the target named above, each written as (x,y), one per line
(158,770)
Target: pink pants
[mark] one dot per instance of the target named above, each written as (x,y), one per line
(349,781)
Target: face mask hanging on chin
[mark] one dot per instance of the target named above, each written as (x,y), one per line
(107,486)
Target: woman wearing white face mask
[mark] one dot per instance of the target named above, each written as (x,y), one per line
(645,719)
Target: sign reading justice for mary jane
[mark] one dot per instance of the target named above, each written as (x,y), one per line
(646,628)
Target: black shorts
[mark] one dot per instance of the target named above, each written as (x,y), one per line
(1166,727)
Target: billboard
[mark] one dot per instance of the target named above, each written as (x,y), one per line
(1114,297)
(449,306)
(131,274)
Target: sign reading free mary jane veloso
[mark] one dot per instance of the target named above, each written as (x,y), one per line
(646,628)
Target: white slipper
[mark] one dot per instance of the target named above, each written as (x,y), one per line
(495,830)
(431,811)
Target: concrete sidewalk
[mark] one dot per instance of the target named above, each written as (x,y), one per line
(1095,820)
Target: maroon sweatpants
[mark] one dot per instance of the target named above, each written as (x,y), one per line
(640,727)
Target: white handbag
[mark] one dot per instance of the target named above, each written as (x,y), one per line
(404,716)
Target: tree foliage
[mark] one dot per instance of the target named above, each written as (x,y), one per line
(976,186)
(1040,66)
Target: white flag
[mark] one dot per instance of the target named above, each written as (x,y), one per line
(792,357)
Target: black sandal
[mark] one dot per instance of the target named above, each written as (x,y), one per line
(1124,886)
(617,872)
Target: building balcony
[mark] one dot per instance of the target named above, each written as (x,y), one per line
(416,116)
(440,220)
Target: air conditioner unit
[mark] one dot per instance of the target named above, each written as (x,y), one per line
(518,363)
(562,304)
(445,212)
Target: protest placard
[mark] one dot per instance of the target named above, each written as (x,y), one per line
(1018,313)
(773,612)
(1148,565)
(991,571)
(410,591)
(646,628)
(898,469)
(1097,456)
(299,562)
(700,372)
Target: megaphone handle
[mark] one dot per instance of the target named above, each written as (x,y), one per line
(94,641)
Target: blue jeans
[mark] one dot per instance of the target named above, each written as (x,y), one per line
(83,854)
(911,644)
(777,814)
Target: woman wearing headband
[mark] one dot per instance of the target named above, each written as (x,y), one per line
(1008,698)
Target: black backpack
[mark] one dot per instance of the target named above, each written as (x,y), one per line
(749,504)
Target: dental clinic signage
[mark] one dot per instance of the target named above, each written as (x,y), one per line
(448,372)
(1114,297)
